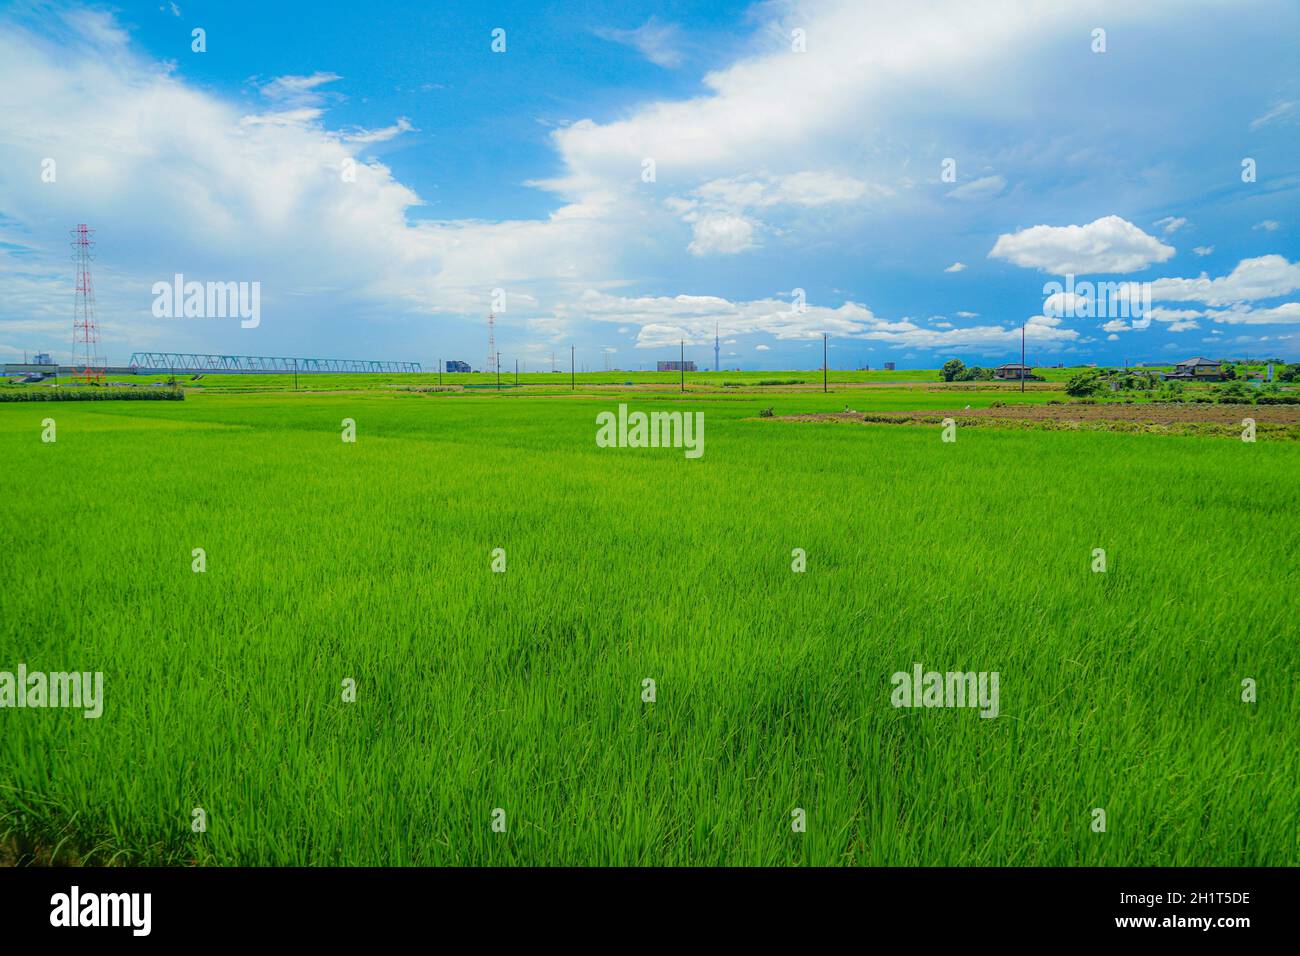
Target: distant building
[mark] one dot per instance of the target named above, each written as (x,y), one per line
(889,366)
(453,366)
(43,358)
(1013,371)
(688,366)
(1197,369)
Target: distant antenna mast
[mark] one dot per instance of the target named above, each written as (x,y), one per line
(85,330)
(717,349)
(492,342)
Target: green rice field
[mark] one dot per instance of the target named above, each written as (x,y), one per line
(500,717)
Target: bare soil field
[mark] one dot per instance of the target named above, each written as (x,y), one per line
(1281,421)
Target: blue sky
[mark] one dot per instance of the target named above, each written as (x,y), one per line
(800,185)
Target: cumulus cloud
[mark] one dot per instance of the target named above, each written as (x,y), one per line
(1203,250)
(1171,224)
(805,188)
(721,234)
(956,267)
(720,211)
(1286,314)
(666,320)
(1264,277)
(1106,245)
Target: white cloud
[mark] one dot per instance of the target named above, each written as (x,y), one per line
(1203,250)
(298,90)
(658,42)
(807,188)
(666,320)
(1178,320)
(1268,225)
(978,190)
(720,209)
(1106,245)
(956,267)
(762,348)
(1067,303)
(1286,313)
(1277,111)
(1264,277)
(1171,224)
(403,125)
(721,234)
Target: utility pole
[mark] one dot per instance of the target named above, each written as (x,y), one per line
(498,364)
(295,375)
(682,363)
(824,339)
(573,375)
(1022,357)
(439,371)
(516,372)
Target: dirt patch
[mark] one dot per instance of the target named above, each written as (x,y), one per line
(1277,421)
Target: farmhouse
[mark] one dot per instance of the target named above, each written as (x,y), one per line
(1012,372)
(1197,369)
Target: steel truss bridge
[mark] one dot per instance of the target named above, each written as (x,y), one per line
(206,362)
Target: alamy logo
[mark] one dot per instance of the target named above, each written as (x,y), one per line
(179,299)
(653,430)
(56,689)
(1096,300)
(103,909)
(951,689)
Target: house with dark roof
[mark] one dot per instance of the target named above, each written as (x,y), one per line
(1197,369)
(1013,372)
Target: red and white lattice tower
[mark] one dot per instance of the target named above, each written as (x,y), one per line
(87,363)
(492,343)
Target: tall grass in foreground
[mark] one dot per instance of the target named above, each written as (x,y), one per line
(523,690)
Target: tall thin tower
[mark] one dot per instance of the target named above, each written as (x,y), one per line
(492,342)
(88,364)
(717,349)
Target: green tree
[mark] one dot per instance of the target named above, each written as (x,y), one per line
(952,370)
(1083,384)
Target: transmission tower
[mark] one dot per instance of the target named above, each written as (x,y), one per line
(85,330)
(492,342)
